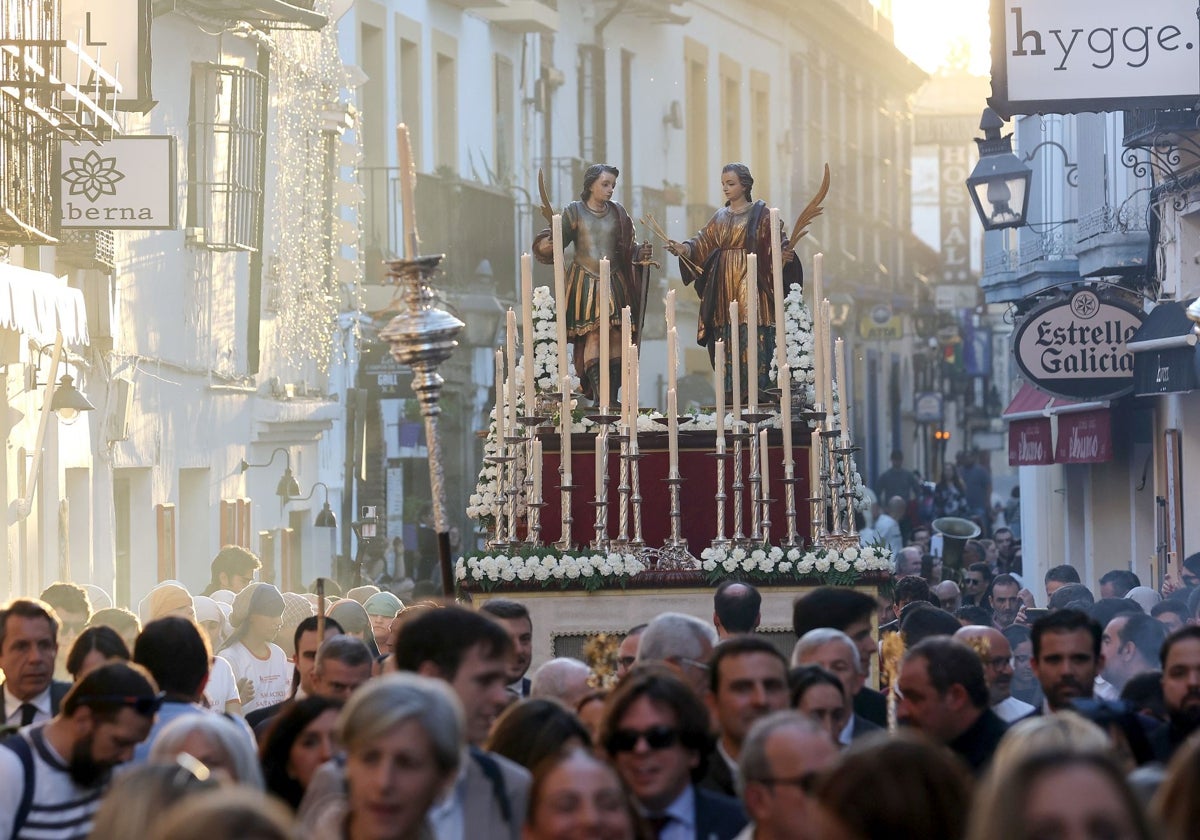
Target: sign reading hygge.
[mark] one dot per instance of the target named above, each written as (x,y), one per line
(127,183)
(1068,56)
(1075,348)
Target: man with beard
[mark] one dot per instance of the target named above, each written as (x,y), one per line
(996,654)
(1066,657)
(1181,691)
(53,775)
(1005,600)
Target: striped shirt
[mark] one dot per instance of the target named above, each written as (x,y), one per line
(61,809)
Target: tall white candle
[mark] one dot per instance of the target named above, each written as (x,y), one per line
(510,348)
(672,433)
(500,396)
(632,398)
(719,390)
(560,293)
(599,470)
(527,332)
(626,356)
(825,332)
(735,362)
(764,460)
(819,349)
(565,429)
(839,361)
(670,306)
(537,470)
(752,332)
(785,418)
(777,287)
(605,326)
(408,182)
(673,358)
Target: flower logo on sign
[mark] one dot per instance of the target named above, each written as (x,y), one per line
(1084,305)
(92,176)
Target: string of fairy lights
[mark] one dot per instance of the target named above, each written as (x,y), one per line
(311,284)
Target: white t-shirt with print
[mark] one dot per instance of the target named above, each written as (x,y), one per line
(221,687)
(272,677)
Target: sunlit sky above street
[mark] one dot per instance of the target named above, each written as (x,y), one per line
(930,31)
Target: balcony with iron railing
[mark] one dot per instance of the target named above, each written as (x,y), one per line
(1155,127)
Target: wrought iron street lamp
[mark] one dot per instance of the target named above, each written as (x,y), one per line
(999,183)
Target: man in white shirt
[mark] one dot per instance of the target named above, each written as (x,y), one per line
(28,647)
(887,526)
(996,654)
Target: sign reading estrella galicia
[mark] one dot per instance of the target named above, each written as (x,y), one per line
(127,183)
(1072,56)
(1075,347)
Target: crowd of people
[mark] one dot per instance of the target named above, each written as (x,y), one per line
(252,713)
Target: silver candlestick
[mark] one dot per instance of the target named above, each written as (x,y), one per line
(721,541)
(739,489)
(603,421)
(422,337)
(635,500)
(623,489)
(752,419)
(533,526)
(499,530)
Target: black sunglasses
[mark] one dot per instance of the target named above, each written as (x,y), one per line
(657,738)
(144,706)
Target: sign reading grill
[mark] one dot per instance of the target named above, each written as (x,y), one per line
(1075,347)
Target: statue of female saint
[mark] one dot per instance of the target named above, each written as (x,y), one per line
(598,227)
(741,227)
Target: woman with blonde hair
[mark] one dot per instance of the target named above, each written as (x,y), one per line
(229,812)
(394,721)
(1176,805)
(1057,793)
(1062,732)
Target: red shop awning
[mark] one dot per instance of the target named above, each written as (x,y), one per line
(1030,441)
(1084,432)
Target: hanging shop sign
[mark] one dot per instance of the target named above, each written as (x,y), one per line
(127,183)
(1075,347)
(115,35)
(1074,56)
(881,323)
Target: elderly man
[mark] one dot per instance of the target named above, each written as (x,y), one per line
(949,594)
(736,609)
(563,679)
(749,679)
(781,751)
(996,654)
(908,561)
(682,643)
(944,694)
(836,652)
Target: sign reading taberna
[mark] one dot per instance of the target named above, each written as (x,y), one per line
(1075,347)
(1073,56)
(127,183)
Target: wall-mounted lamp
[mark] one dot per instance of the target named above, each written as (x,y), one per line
(68,401)
(326,518)
(999,183)
(287,487)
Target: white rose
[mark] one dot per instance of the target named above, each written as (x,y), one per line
(785,567)
(822,564)
(709,565)
(841,565)
(793,554)
(851,554)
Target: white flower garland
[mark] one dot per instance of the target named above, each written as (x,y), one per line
(840,567)
(798,338)
(592,571)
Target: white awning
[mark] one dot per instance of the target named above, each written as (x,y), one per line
(38,304)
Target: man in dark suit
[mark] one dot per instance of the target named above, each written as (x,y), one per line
(514,618)
(655,732)
(836,652)
(748,680)
(851,612)
(28,646)
(943,693)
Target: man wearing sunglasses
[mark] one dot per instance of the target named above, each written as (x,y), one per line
(53,775)
(655,732)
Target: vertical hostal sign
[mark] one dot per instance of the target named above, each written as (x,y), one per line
(1074,347)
